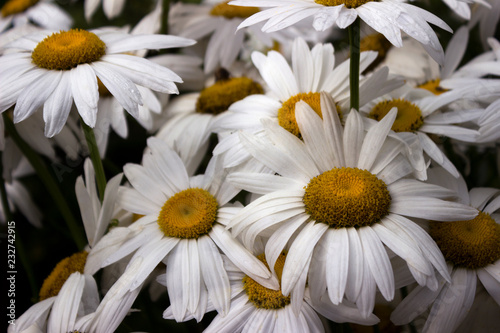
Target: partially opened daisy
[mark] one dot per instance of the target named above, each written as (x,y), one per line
(44,14)
(53,70)
(389,17)
(184,227)
(255,308)
(472,251)
(311,72)
(338,196)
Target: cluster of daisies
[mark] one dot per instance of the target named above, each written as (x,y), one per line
(310,165)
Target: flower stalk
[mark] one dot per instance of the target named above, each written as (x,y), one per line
(96,159)
(354,51)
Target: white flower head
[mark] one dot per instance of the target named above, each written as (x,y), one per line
(183,226)
(389,17)
(472,251)
(53,70)
(66,295)
(255,308)
(337,198)
(420,114)
(44,14)
(311,72)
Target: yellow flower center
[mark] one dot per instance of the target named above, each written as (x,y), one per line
(54,282)
(188,214)
(229,11)
(262,297)
(13,7)
(471,244)
(347,3)
(433,87)
(375,42)
(286,114)
(408,119)
(218,97)
(67,49)
(347,197)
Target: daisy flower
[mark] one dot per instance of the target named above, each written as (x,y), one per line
(389,17)
(44,14)
(311,72)
(192,115)
(338,196)
(255,308)
(53,70)
(472,251)
(183,226)
(217,21)
(65,295)
(420,114)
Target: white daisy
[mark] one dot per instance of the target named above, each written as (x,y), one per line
(420,114)
(44,14)
(54,70)
(66,295)
(311,72)
(217,21)
(389,17)
(255,308)
(472,250)
(183,226)
(338,197)
(192,115)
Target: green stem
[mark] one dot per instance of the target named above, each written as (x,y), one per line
(48,180)
(354,42)
(96,159)
(166,5)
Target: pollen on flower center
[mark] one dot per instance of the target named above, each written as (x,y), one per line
(347,197)
(230,11)
(218,97)
(13,7)
(67,49)
(286,114)
(408,119)
(433,87)
(347,3)
(54,282)
(262,297)
(471,244)
(188,214)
